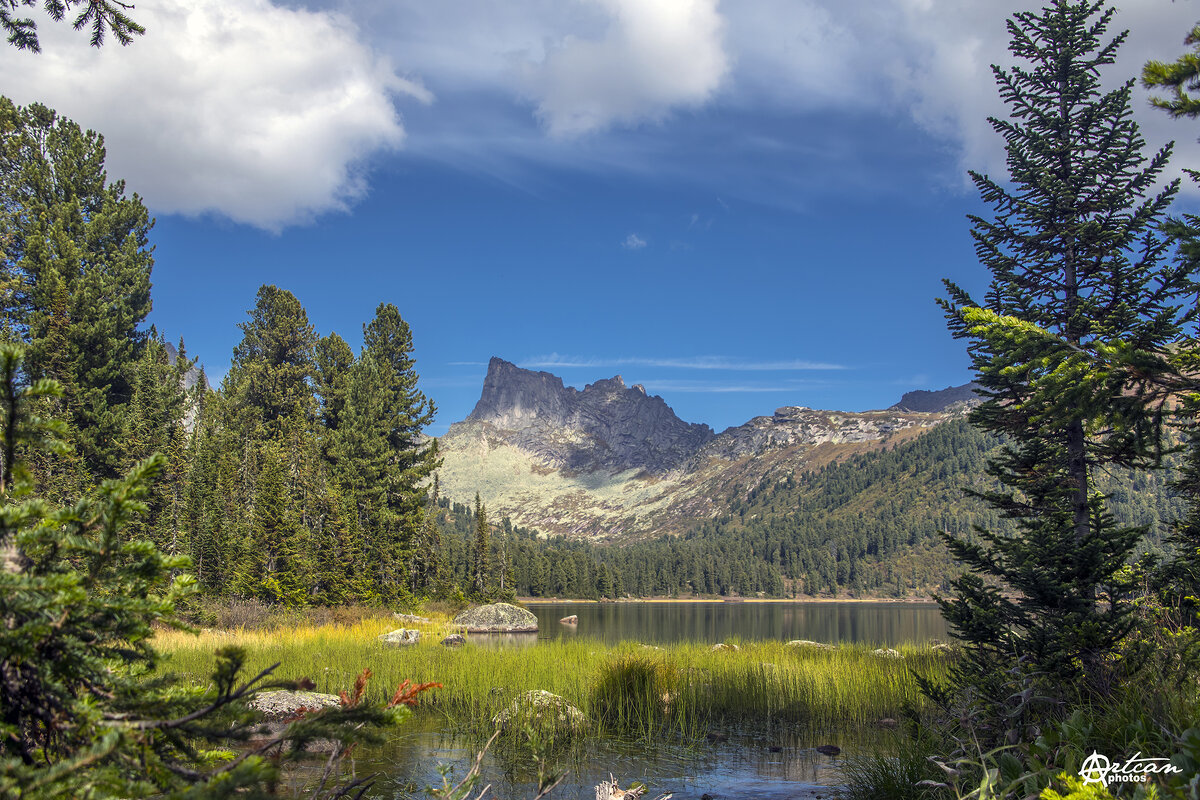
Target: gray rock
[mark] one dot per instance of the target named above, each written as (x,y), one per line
(401,637)
(610,426)
(410,618)
(279,705)
(886,653)
(808,644)
(951,398)
(454,640)
(547,711)
(723,646)
(571,620)
(829,749)
(497,618)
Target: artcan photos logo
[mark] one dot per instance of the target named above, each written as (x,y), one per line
(1099,769)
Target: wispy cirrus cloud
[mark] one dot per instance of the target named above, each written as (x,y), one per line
(714,388)
(555,360)
(633,242)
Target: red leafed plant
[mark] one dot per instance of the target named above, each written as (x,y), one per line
(406,693)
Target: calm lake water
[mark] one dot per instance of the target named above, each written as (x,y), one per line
(770,764)
(663,623)
(776,762)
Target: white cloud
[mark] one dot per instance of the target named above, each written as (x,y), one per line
(691,362)
(240,108)
(633,242)
(713,388)
(927,60)
(582,66)
(651,58)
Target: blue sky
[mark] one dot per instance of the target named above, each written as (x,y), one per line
(739,205)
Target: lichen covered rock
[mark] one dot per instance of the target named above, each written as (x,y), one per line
(280,705)
(401,637)
(497,618)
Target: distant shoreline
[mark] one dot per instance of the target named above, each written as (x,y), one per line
(535,601)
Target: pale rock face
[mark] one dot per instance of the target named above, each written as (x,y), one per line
(606,426)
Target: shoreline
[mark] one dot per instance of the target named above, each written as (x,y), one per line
(535,601)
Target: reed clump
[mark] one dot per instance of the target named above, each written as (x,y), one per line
(627,689)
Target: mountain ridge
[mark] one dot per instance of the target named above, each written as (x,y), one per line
(612,462)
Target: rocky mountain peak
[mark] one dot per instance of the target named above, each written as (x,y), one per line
(606,425)
(948,399)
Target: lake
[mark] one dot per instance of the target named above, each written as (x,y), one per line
(771,762)
(879,623)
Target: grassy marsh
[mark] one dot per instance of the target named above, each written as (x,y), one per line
(626,689)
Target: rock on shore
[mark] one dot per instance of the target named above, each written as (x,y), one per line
(497,618)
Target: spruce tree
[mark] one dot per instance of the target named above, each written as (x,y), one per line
(76,273)
(481,567)
(268,381)
(382,459)
(1180,576)
(1079,276)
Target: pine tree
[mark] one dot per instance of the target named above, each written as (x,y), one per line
(76,272)
(481,568)
(82,712)
(381,457)
(268,381)
(331,376)
(1079,274)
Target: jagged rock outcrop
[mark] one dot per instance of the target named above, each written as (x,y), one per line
(798,425)
(193,375)
(950,398)
(606,426)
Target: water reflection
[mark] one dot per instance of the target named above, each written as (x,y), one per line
(877,624)
(742,768)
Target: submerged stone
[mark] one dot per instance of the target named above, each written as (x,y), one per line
(542,709)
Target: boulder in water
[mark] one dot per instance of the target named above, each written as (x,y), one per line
(497,618)
(544,710)
(571,620)
(454,640)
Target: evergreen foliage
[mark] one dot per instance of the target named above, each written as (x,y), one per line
(83,710)
(101,17)
(76,275)
(1079,272)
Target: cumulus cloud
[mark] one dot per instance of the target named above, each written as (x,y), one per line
(927,60)
(240,108)
(651,58)
(584,66)
(633,242)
